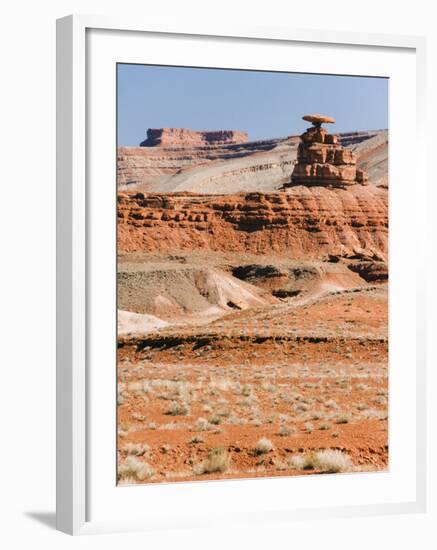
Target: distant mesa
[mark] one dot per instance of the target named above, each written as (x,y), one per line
(183,137)
(322,161)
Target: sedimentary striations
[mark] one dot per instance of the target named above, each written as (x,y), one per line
(372,155)
(247,294)
(182,137)
(310,222)
(321,160)
(264,165)
(221,168)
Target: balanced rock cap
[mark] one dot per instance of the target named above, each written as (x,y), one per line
(318,119)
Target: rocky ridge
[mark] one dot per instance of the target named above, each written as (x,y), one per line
(302,222)
(264,165)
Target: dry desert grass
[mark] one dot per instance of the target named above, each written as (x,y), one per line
(293,387)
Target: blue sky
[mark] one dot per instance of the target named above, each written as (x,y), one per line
(264,104)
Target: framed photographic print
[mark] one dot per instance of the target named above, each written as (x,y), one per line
(240,331)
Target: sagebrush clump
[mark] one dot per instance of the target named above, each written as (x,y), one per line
(132,470)
(217,461)
(328,461)
(263,446)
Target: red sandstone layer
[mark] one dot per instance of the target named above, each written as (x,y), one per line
(300,223)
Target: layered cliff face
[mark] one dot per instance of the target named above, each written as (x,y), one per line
(224,167)
(300,223)
(248,308)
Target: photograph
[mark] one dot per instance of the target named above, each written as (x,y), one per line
(252,274)
(218,275)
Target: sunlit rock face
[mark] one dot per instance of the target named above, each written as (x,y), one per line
(300,222)
(322,160)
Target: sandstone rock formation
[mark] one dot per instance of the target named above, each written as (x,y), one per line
(248,294)
(321,160)
(370,270)
(264,165)
(182,137)
(303,222)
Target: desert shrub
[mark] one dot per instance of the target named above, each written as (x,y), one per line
(136,449)
(310,461)
(329,461)
(217,461)
(237,420)
(296,462)
(284,431)
(263,446)
(324,427)
(300,407)
(245,402)
(269,388)
(202,424)
(342,419)
(196,439)
(134,469)
(174,426)
(177,409)
(308,427)
(333,461)
(376,414)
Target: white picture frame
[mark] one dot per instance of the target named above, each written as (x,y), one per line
(74,281)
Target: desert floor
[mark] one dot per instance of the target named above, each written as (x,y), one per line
(287,383)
